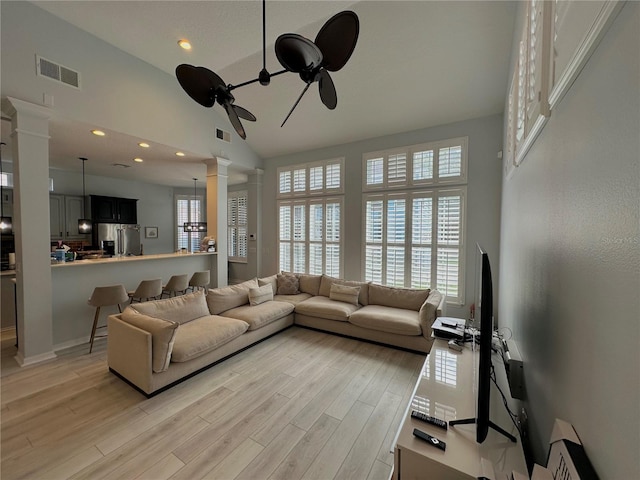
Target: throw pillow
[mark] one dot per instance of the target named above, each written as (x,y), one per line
(260,295)
(288,284)
(163,333)
(344,293)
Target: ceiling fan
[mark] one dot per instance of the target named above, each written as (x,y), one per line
(313,61)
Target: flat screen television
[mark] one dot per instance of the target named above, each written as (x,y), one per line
(483,309)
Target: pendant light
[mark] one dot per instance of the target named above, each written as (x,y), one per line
(6,226)
(84,224)
(191,225)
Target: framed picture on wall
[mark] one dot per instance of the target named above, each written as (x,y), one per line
(150,232)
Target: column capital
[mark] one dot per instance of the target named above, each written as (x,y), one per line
(216,166)
(11,106)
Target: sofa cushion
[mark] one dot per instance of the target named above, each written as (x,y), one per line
(288,284)
(162,332)
(344,293)
(272,280)
(181,309)
(387,319)
(225,298)
(260,315)
(327,281)
(204,335)
(310,283)
(324,307)
(408,298)
(260,295)
(292,299)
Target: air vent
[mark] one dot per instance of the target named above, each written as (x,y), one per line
(57,72)
(222,135)
(121,165)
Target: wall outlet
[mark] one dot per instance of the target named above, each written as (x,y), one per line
(523,423)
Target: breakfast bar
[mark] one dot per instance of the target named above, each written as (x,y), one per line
(73,283)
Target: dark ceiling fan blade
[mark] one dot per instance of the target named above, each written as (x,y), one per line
(244,113)
(328,93)
(196,83)
(337,39)
(235,121)
(296,104)
(297,53)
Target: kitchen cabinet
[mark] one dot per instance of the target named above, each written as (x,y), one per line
(113,209)
(64,213)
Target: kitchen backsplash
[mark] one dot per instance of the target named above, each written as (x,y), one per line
(74,245)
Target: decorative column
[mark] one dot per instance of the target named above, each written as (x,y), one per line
(217,180)
(30,150)
(254,223)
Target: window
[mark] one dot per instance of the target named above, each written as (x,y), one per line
(237,226)
(414,216)
(415,239)
(189,209)
(321,178)
(310,224)
(434,163)
(528,94)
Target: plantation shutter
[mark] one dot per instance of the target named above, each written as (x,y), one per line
(449,241)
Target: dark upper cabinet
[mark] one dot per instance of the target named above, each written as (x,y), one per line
(113,209)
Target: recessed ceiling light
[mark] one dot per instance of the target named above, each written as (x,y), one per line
(138,159)
(180,154)
(185,44)
(99,133)
(144,145)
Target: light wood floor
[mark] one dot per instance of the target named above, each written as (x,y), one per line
(302,404)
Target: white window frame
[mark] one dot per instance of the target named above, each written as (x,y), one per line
(237,226)
(529,90)
(307,167)
(408,152)
(306,241)
(305,197)
(179,226)
(408,196)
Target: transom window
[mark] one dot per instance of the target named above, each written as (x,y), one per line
(321,178)
(443,162)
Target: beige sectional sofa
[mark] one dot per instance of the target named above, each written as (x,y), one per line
(154,345)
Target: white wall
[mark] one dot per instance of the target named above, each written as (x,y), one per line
(483,193)
(570,259)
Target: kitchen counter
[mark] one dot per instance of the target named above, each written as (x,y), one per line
(73,283)
(132,258)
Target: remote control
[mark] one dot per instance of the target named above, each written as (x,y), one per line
(454,345)
(426,418)
(430,440)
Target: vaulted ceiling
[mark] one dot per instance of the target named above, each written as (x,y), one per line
(417,64)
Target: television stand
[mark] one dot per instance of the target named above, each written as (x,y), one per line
(467,421)
(445,390)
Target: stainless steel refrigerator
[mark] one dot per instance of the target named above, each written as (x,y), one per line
(123,239)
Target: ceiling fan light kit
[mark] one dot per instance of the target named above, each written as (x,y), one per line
(311,60)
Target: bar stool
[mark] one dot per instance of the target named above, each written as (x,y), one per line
(199,280)
(147,289)
(102,297)
(177,283)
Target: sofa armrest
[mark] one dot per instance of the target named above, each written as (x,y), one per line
(429,311)
(129,352)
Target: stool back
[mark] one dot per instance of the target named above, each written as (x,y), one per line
(110,295)
(200,279)
(148,289)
